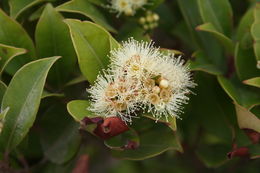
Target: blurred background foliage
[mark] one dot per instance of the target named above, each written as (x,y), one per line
(220,127)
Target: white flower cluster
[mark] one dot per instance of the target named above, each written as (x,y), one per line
(141,78)
(128,7)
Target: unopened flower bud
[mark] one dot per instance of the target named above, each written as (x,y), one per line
(142,20)
(129,12)
(156,89)
(164,83)
(149,18)
(146,27)
(155,17)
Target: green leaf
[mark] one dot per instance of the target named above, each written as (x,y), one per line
(253,82)
(92,44)
(60,138)
(217,12)
(202,40)
(36,14)
(245,63)
(243,31)
(78,109)
(7,53)
(48,94)
(246,119)
(12,34)
(152,142)
(224,40)
(215,119)
(170,121)
(203,63)
(119,141)
(213,155)
(76,80)
(26,87)
(2,90)
(255,31)
(18,6)
(87,9)
(239,93)
(53,39)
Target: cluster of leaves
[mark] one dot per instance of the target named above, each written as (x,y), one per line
(52,50)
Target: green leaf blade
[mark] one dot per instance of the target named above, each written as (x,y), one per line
(53,39)
(78,109)
(23,101)
(13,34)
(253,82)
(226,42)
(217,12)
(92,45)
(7,53)
(17,6)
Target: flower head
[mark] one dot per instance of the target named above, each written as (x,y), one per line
(141,77)
(114,95)
(127,7)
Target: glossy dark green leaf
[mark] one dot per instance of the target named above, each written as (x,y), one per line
(120,141)
(170,121)
(214,119)
(53,39)
(245,63)
(23,97)
(221,18)
(224,40)
(18,6)
(60,139)
(213,155)
(253,82)
(200,62)
(202,40)
(152,142)
(12,34)
(78,109)
(241,94)
(7,53)
(92,44)
(87,9)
